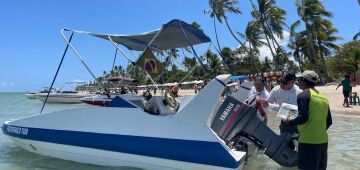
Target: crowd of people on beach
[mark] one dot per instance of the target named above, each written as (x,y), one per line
(314,116)
(313,112)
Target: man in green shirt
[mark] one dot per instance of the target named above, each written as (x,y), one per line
(313,120)
(346,89)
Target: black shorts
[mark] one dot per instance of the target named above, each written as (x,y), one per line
(346,93)
(312,156)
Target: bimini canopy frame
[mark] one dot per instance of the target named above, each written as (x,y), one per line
(172,35)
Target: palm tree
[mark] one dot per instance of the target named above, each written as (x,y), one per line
(214,63)
(272,20)
(297,43)
(325,42)
(253,36)
(276,23)
(319,32)
(212,15)
(219,9)
(310,12)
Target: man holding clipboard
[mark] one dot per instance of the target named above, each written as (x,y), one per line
(313,120)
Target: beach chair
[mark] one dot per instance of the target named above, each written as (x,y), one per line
(354,99)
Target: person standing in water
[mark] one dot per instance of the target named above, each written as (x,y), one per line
(286,92)
(259,92)
(313,120)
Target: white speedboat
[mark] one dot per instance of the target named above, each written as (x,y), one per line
(116,136)
(201,132)
(63,97)
(198,134)
(32,95)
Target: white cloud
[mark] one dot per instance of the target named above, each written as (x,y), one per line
(6,84)
(265,50)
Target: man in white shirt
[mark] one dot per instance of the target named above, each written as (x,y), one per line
(286,92)
(258,92)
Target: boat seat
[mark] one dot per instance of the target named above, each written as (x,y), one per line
(156,106)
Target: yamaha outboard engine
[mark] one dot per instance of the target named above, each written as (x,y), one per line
(235,118)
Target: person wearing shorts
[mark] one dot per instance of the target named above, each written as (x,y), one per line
(346,89)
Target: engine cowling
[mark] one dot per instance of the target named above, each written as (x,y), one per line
(236,118)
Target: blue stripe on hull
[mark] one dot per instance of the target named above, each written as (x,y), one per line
(201,152)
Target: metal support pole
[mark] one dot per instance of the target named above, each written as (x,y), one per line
(57,71)
(133,53)
(79,57)
(134,63)
(114,60)
(121,51)
(192,47)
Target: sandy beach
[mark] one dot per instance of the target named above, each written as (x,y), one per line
(334,96)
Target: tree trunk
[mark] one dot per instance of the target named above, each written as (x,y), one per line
(272,35)
(297,57)
(216,35)
(276,48)
(323,62)
(310,44)
(218,44)
(269,45)
(232,33)
(251,56)
(302,63)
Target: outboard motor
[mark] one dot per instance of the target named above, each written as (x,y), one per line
(235,118)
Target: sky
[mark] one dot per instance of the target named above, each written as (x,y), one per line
(31,45)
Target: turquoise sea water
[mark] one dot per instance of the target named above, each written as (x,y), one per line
(344,149)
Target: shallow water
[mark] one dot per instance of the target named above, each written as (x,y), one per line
(344,137)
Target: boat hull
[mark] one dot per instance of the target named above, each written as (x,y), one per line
(107,158)
(128,136)
(30,95)
(62,98)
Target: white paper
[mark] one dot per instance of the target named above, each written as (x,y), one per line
(288,109)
